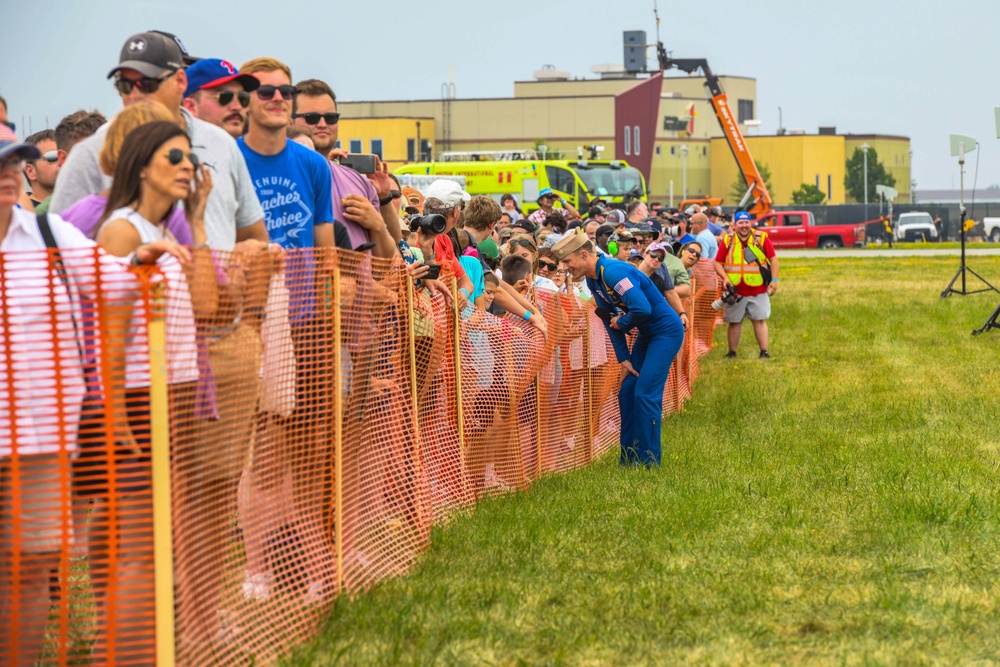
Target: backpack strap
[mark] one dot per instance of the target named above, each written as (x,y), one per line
(60,269)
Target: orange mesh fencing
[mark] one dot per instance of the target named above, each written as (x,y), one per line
(318,413)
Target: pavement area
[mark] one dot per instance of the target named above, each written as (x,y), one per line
(863,252)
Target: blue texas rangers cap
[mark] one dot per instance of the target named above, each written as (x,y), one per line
(742,215)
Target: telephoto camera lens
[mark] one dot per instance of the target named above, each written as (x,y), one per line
(428,224)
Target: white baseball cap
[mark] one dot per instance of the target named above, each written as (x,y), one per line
(447,192)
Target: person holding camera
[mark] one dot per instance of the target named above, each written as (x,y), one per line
(626,299)
(748,268)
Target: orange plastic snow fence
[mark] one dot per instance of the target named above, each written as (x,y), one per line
(192,470)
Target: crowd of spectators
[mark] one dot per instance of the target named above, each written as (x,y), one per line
(206,158)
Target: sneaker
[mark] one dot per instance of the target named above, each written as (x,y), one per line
(731,354)
(764,355)
(256,587)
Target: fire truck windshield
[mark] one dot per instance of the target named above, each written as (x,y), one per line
(604,181)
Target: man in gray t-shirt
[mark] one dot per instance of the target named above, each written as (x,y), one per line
(151,68)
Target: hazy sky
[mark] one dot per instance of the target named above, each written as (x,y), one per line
(908,67)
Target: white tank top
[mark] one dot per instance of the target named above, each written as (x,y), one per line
(182,348)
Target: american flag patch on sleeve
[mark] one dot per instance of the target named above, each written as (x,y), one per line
(623,286)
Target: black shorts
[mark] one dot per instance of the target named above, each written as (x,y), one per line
(91,467)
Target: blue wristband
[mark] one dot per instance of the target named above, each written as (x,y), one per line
(774,280)
(465,292)
(527,315)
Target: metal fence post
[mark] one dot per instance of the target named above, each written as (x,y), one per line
(338,429)
(460,407)
(411,339)
(163,557)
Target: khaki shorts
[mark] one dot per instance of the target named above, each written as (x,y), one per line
(755,307)
(44,513)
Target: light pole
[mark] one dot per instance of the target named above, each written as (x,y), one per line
(864,149)
(684,172)
(909,164)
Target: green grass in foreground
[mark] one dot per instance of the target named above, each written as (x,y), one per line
(837,505)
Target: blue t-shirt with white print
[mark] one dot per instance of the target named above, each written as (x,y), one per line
(294,190)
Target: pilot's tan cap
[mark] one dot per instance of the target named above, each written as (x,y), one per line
(569,245)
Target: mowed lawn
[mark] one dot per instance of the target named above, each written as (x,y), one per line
(838,505)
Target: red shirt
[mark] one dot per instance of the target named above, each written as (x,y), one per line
(444,254)
(743,289)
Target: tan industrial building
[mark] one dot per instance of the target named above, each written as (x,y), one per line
(565,115)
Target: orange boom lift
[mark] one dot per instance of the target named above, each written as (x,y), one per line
(757,192)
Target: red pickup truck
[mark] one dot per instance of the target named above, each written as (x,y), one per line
(798,229)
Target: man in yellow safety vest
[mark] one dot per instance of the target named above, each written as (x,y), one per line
(746,261)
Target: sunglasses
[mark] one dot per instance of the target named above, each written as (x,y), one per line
(267,92)
(175,156)
(697,255)
(51,156)
(524,243)
(226,97)
(658,257)
(313,118)
(145,84)
(548,265)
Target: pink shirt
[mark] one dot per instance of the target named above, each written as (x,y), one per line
(346,181)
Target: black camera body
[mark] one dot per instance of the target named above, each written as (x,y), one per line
(729,298)
(433,223)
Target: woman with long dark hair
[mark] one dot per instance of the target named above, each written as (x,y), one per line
(155,171)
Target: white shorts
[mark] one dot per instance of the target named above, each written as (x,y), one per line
(755,307)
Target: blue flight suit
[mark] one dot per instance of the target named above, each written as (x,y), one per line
(620,287)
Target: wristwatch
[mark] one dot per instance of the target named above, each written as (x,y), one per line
(393,194)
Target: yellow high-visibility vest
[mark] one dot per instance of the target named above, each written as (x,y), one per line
(737,269)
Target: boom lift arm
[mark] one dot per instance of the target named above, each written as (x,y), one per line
(723,112)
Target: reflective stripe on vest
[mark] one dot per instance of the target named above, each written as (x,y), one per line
(737,269)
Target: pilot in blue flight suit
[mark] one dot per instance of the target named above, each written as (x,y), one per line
(630,301)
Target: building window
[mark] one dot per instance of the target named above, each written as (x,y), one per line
(337,145)
(355,146)
(628,140)
(411,150)
(425,150)
(829,187)
(744,110)
(657,149)
(376,146)
(635,141)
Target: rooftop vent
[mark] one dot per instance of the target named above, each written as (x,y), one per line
(550,73)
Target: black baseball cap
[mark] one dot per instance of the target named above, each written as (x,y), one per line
(526,225)
(152,54)
(604,230)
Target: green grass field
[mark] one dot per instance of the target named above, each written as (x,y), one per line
(836,505)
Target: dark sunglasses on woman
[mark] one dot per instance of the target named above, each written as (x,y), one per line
(267,92)
(176,156)
(226,96)
(526,243)
(313,118)
(548,265)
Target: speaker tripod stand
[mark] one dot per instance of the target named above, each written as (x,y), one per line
(963,269)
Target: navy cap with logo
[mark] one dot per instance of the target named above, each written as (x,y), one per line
(26,151)
(152,54)
(213,72)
